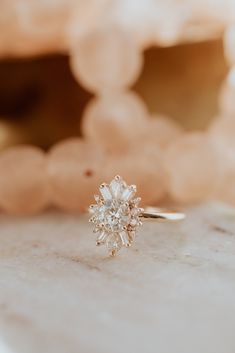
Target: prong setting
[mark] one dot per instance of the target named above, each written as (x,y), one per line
(116,215)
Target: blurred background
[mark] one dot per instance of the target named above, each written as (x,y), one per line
(42,100)
(140,88)
(92,89)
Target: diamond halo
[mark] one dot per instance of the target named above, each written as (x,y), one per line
(116,215)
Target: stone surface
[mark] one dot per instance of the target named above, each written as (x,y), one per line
(173,291)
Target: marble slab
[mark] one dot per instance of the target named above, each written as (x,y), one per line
(173,291)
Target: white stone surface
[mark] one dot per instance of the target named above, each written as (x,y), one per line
(173,291)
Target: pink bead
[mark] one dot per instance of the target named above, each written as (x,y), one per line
(142,166)
(193,166)
(85,16)
(168,33)
(223,129)
(227,95)
(23,180)
(33,28)
(136,17)
(115,121)
(106,58)
(226,189)
(229,45)
(75,172)
(162,131)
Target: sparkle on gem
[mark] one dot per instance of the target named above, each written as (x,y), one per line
(116,215)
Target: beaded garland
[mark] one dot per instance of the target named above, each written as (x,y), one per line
(120,137)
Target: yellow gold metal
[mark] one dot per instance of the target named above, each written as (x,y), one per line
(117,215)
(113,253)
(155,213)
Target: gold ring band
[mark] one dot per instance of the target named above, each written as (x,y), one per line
(158,214)
(117,215)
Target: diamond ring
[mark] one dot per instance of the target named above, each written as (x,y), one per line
(117,215)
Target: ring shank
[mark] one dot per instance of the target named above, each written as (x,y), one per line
(156,213)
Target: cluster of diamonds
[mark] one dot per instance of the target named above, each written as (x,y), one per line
(116,215)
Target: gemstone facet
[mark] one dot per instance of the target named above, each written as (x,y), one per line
(116,215)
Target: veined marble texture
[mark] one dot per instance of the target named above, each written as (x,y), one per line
(173,291)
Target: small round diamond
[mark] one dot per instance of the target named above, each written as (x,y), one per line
(115,215)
